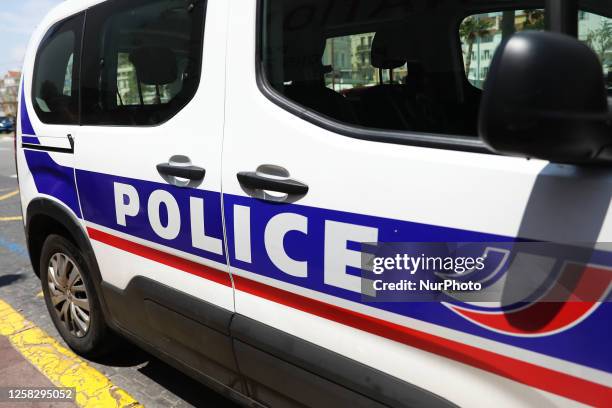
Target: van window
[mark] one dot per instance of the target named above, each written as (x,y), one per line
(142,60)
(381,65)
(481,34)
(55,88)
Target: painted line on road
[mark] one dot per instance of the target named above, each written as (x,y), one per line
(60,365)
(11,219)
(9,195)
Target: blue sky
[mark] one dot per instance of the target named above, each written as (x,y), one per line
(18,18)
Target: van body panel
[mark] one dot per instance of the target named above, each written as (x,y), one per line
(259,296)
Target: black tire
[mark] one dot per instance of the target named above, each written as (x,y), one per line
(98,340)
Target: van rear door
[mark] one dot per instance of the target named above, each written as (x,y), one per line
(149,173)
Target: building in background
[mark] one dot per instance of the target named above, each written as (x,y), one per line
(349,59)
(596,32)
(481,34)
(337,58)
(364,73)
(9,93)
(131,93)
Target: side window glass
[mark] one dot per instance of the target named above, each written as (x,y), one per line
(596,31)
(55,86)
(129,93)
(347,61)
(395,67)
(68,82)
(143,60)
(481,34)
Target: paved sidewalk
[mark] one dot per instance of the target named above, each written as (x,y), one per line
(58,364)
(17,372)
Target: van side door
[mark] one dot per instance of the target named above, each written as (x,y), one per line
(359,125)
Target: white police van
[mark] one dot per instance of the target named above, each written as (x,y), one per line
(197,176)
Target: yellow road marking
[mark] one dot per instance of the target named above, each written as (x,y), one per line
(9,195)
(60,365)
(11,219)
(40,294)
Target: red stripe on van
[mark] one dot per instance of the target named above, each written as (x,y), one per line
(530,374)
(165,258)
(523,372)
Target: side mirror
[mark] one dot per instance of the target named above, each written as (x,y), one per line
(545,97)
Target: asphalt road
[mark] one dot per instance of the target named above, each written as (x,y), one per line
(152,382)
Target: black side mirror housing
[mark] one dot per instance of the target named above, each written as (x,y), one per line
(545,97)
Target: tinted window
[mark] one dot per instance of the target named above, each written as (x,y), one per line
(395,65)
(55,86)
(142,61)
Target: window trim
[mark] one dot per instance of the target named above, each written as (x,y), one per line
(410,138)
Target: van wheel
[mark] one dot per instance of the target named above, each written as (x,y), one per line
(72,300)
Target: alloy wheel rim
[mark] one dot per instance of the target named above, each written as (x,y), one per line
(68,294)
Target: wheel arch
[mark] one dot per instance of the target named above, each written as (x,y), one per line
(45,217)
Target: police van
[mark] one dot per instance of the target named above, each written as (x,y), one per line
(199,176)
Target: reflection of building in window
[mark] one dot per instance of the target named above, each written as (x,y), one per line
(127,86)
(596,32)
(481,34)
(349,59)
(363,71)
(68,77)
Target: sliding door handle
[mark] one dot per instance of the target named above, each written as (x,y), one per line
(258,181)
